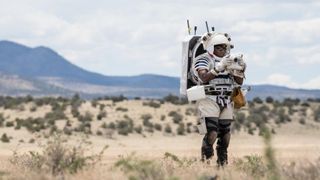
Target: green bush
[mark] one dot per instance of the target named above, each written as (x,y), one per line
(33,108)
(104,125)
(151,103)
(67,131)
(125,126)
(31,141)
(1,120)
(146,117)
(191,111)
(102,114)
(5,138)
(316,115)
(168,129)
(252,165)
(157,126)
(138,129)
(175,99)
(269,100)
(302,121)
(55,115)
(181,129)
(99,133)
(257,100)
(112,125)
(176,117)
(122,109)
(140,169)
(56,158)
(9,124)
(86,118)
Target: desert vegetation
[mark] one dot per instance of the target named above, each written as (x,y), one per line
(59,121)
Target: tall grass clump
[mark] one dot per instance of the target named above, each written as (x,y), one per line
(57,158)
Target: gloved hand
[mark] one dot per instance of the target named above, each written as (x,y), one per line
(220,66)
(240,61)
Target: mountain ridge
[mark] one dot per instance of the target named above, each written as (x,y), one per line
(48,68)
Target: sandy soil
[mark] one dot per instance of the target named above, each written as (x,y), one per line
(292,141)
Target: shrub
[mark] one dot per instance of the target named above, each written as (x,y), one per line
(33,108)
(163,117)
(99,133)
(316,115)
(302,121)
(56,158)
(84,127)
(181,129)
(252,165)
(269,100)
(5,138)
(31,141)
(152,103)
(176,117)
(94,103)
(125,126)
(104,125)
(122,109)
(146,117)
(175,99)
(1,119)
(67,131)
(55,115)
(101,115)
(158,127)
(257,100)
(9,124)
(102,106)
(140,169)
(112,125)
(138,129)
(86,118)
(240,117)
(191,111)
(168,129)
(147,123)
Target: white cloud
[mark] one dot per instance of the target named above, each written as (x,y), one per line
(134,37)
(286,80)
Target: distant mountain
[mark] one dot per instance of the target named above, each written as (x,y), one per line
(280,92)
(44,62)
(41,71)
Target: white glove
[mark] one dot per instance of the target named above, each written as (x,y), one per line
(240,61)
(220,66)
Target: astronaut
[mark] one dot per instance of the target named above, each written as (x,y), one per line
(213,69)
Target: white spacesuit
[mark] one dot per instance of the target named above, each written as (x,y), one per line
(219,73)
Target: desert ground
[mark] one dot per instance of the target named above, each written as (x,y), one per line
(291,142)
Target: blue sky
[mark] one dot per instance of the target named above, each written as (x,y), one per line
(279,39)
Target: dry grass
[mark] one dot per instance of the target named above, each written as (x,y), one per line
(292,153)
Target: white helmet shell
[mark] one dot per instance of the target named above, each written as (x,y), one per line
(209,40)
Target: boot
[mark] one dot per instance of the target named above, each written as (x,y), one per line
(206,149)
(222,148)
(222,154)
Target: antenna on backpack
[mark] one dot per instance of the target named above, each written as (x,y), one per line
(189,29)
(207,26)
(195,30)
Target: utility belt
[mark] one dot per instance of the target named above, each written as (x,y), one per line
(222,96)
(217,93)
(213,91)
